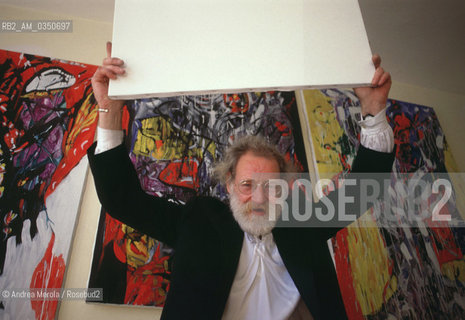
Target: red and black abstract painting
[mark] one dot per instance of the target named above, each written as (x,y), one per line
(173,144)
(48,120)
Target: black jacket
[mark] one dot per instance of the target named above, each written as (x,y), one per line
(208,241)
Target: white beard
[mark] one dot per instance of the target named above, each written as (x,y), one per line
(251,223)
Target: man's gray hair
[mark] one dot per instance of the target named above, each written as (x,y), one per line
(259,146)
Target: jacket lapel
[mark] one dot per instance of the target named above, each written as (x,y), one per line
(293,246)
(231,237)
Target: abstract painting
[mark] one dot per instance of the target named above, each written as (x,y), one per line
(173,144)
(395,272)
(48,120)
(328,115)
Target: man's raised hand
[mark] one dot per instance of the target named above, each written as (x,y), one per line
(111,68)
(373,99)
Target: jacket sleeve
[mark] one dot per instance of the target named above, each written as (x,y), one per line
(120,193)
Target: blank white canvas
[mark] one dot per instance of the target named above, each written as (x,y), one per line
(174,47)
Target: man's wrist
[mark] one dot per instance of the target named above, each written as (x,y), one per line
(378,122)
(376,133)
(367,116)
(372,108)
(110,118)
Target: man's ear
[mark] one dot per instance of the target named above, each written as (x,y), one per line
(228,182)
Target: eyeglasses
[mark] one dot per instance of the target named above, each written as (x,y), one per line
(248,186)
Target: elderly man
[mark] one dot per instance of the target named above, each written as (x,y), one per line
(247,269)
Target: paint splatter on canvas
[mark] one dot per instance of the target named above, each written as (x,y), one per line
(48,121)
(392,273)
(173,143)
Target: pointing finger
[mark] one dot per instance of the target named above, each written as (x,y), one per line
(378,73)
(108,49)
(376,60)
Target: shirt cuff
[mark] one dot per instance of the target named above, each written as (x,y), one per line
(376,133)
(108,139)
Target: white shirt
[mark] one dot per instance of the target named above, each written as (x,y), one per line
(262,287)
(376,133)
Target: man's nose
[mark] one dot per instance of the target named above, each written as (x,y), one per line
(258,195)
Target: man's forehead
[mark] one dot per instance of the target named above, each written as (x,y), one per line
(257,163)
(258,171)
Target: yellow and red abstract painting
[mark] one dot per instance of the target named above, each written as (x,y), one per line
(394,272)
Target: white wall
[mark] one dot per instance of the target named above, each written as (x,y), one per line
(87,44)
